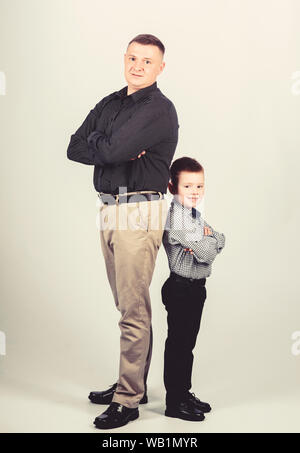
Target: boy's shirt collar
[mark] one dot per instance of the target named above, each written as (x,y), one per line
(189,211)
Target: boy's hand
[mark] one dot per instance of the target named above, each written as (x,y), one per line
(190,251)
(143,152)
(207,231)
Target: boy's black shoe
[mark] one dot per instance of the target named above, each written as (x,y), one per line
(201,405)
(116,415)
(186,410)
(106,396)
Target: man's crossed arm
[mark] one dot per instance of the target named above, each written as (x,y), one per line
(147,127)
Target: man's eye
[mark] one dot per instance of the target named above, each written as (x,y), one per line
(148,61)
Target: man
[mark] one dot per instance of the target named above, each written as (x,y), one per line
(130,137)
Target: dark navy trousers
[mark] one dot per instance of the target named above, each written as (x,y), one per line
(183,299)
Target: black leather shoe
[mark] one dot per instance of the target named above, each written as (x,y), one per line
(186,411)
(201,405)
(115,415)
(106,396)
(103,397)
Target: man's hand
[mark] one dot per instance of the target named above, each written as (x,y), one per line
(143,152)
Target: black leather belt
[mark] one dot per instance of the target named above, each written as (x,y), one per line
(110,198)
(179,278)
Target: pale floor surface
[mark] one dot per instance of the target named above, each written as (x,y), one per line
(27,407)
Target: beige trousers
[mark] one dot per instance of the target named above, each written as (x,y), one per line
(131,234)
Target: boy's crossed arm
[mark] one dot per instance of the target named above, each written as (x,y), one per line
(220,237)
(204,250)
(207,232)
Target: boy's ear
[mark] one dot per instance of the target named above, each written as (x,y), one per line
(171,188)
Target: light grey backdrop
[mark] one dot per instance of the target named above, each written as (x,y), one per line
(233,73)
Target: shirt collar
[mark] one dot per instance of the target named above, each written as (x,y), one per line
(139,94)
(185,209)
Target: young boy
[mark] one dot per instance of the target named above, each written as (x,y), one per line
(191,246)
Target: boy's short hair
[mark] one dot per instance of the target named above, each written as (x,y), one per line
(183,164)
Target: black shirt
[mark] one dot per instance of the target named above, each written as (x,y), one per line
(118,129)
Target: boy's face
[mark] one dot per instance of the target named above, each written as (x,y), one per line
(190,188)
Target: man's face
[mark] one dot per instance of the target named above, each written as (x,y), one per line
(190,188)
(142,65)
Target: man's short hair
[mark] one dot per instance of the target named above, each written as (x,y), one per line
(147,39)
(183,164)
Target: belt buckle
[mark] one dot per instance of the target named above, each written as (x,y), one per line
(154,195)
(116,197)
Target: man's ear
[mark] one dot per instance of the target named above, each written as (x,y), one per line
(171,188)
